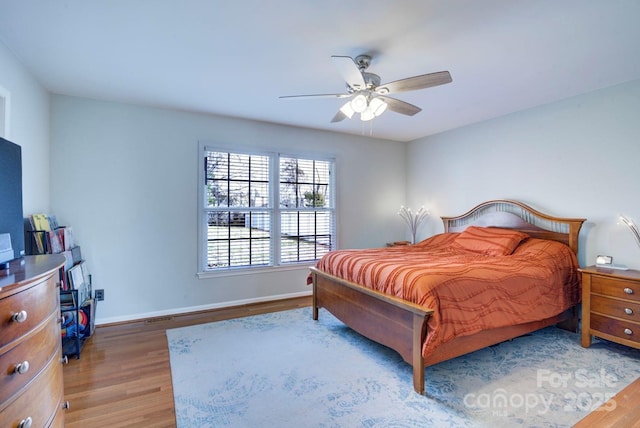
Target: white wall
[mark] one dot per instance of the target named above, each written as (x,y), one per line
(125,178)
(28,126)
(575,158)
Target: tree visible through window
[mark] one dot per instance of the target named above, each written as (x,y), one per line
(260,215)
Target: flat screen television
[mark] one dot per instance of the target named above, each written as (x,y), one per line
(11,218)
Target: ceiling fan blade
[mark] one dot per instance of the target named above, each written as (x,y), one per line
(317,96)
(400,106)
(415,82)
(339,117)
(350,72)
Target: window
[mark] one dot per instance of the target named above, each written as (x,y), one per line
(264,209)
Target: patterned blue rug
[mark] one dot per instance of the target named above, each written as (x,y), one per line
(286,370)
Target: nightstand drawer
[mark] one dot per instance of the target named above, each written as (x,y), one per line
(615,287)
(616,308)
(622,329)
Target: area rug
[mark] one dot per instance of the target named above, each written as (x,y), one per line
(286,370)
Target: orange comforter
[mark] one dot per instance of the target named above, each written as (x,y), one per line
(468,292)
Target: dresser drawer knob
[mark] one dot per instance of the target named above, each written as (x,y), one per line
(628,311)
(25,423)
(21,368)
(20,316)
(66,405)
(628,331)
(628,290)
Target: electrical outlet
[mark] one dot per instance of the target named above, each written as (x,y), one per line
(99,294)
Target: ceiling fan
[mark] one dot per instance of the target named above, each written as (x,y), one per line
(368,96)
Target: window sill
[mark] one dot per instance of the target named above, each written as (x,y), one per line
(253,271)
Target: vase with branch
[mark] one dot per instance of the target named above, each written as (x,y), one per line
(413,220)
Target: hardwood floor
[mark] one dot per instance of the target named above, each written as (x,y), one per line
(622,411)
(123,376)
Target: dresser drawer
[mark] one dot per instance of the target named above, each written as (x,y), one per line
(36,350)
(58,418)
(615,287)
(37,302)
(616,308)
(40,400)
(622,329)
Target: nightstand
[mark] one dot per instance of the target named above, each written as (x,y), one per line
(611,305)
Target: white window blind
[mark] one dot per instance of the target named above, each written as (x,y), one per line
(265,210)
(306,213)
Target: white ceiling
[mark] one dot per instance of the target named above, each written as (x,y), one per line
(235,58)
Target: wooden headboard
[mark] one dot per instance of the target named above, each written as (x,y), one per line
(515,215)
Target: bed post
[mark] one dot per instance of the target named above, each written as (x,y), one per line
(571,322)
(419,335)
(314,301)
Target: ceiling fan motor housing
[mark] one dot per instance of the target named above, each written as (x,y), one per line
(372,80)
(363,62)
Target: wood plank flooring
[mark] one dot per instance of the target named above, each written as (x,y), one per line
(622,411)
(123,376)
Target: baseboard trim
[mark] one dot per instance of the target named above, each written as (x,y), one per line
(199,308)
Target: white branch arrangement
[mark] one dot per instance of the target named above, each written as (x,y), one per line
(633,227)
(413,220)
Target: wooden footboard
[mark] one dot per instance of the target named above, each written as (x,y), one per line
(393,322)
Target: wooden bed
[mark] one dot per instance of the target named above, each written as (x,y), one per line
(402,325)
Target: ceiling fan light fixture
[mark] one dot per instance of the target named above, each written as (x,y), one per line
(347,110)
(367,114)
(377,106)
(359,103)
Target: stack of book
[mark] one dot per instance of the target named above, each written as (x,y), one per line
(45,236)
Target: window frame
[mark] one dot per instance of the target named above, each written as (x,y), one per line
(275,256)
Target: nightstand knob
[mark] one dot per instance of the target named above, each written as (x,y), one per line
(628,331)
(628,311)
(628,290)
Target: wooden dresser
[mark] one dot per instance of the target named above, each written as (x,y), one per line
(31,384)
(611,305)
